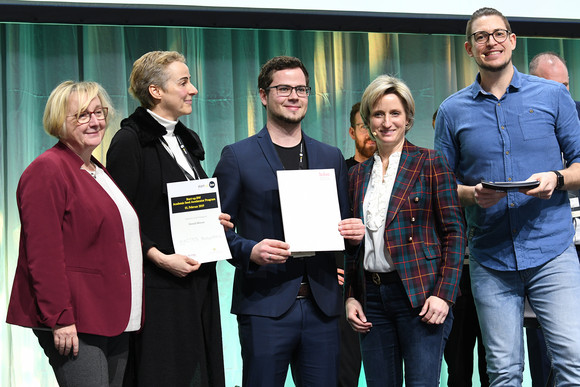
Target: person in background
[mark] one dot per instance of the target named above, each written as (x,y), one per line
(511,127)
(400,284)
(78,281)
(181,342)
(549,65)
(364,146)
(465,333)
(350,357)
(287,307)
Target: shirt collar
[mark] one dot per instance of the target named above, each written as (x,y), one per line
(514,85)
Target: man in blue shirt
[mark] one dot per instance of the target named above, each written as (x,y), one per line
(509,127)
(547,65)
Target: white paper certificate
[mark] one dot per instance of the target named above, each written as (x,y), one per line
(194,210)
(310,210)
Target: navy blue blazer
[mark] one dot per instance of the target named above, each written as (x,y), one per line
(248,188)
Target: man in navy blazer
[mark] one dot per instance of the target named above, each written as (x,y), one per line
(287,307)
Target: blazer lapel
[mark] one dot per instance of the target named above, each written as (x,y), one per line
(311,153)
(409,169)
(267,147)
(361,184)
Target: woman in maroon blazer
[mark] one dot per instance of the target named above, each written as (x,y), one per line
(78,281)
(400,285)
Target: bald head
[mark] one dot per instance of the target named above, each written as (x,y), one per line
(550,66)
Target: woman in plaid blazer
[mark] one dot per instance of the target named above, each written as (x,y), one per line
(404,276)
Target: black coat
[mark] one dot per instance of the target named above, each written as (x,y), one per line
(180,344)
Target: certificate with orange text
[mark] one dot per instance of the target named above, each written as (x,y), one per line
(310,210)
(194,210)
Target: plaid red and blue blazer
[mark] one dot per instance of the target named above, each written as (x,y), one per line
(424,228)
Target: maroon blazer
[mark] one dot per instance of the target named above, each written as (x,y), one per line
(424,230)
(72,263)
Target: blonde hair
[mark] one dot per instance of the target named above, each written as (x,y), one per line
(150,70)
(382,85)
(56,109)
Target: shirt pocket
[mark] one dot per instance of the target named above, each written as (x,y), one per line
(536,124)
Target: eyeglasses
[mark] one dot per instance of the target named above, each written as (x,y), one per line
(85,117)
(499,35)
(286,90)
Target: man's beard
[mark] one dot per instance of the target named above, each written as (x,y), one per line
(495,69)
(363,150)
(288,120)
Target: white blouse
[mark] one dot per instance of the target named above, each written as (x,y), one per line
(132,243)
(375,205)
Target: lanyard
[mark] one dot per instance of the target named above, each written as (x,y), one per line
(301,155)
(187,158)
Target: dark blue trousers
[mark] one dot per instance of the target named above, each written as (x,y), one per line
(303,338)
(399,340)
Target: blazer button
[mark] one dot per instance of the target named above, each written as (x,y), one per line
(410,239)
(416,200)
(412,219)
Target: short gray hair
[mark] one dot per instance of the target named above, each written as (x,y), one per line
(150,70)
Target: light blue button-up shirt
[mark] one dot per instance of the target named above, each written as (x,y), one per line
(526,131)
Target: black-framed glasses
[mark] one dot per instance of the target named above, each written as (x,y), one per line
(84,117)
(500,35)
(286,90)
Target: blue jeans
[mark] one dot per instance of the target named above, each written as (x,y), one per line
(553,290)
(399,337)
